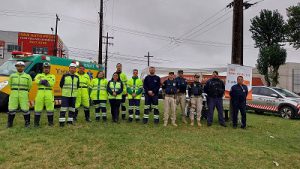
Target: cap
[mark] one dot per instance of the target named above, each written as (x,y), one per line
(180,71)
(20,63)
(73,65)
(197,75)
(46,64)
(171,73)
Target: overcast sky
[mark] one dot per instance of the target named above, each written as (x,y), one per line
(166,28)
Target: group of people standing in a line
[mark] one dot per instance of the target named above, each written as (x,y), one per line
(79,90)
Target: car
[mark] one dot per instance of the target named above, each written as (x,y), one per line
(275,100)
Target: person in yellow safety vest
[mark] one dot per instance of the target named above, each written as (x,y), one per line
(134,90)
(69,84)
(99,95)
(83,98)
(123,79)
(44,96)
(20,84)
(115,90)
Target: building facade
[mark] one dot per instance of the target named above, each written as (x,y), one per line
(29,42)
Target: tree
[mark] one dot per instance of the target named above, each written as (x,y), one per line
(269,61)
(293,25)
(268,28)
(269,33)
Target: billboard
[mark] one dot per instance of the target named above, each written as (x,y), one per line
(233,71)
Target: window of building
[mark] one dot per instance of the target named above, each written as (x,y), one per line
(40,50)
(11,48)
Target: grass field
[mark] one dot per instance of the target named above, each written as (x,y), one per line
(107,145)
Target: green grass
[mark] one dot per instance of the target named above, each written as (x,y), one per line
(107,145)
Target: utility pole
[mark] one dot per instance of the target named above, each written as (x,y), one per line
(55,38)
(148,56)
(237,33)
(100,32)
(106,51)
(238,30)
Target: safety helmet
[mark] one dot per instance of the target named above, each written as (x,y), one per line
(20,63)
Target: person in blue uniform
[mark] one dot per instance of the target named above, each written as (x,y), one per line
(238,94)
(151,87)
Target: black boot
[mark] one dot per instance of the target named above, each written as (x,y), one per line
(10,120)
(61,124)
(37,120)
(156,121)
(137,120)
(97,119)
(87,116)
(50,120)
(27,120)
(130,119)
(145,120)
(123,116)
(104,118)
(75,115)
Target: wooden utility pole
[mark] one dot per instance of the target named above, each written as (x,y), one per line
(100,33)
(55,38)
(237,33)
(106,51)
(148,56)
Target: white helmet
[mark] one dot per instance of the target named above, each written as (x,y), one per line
(20,63)
(73,65)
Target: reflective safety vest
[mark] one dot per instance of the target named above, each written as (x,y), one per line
(20,82)
(84,80)
(69,85)
(134,85)
(123,79)
(98,87)
(42,76)
(114,87)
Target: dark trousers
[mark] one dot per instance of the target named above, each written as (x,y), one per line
(236,107)
(115,109)
(100,105)
(212,104)
(151,102)
(134,105)
(123,106)
(67,103)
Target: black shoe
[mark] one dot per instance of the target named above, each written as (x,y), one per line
(243,127)
(156,121)
(27,120)
(75,119)
(88,120)
(97,119)
(10,121)
(145,121)
(104,119)
(37,120)
(70,122)
(50,120)
(137,120)
(123,116)
(223,125)
(61,124)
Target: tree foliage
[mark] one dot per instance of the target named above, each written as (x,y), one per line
(269,61)
(293,25)
(268,28)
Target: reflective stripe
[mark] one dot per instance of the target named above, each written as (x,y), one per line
(123,112)
(37,113)
(104,114)
(62,119)
(97,115)
(155,106)
(26,113)
(137,108)
(147,106)
(64,109)
(137,116)
(86,108)
(70,119)
(50,113)
(156,116)
(72,109)
(96,105)
(146,116)
(12,112)
(131,116)
(102,104)
(130,107)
